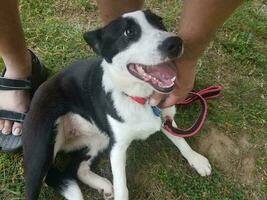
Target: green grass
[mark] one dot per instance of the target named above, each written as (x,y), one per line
(156,171)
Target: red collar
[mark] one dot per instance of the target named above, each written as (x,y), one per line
(139,100)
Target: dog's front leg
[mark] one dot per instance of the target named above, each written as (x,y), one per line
(196,160)
(118,164)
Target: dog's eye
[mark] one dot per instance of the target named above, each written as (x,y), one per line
(130,32)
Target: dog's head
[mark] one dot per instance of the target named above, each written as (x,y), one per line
(137,46)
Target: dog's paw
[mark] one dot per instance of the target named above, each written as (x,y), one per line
(200,163)
(108,196)
(107,190)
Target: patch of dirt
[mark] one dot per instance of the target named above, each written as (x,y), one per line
(248,170)
(219,148)
(243,142)
(236,159)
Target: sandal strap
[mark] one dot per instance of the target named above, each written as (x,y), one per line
(12,116)
(15,84)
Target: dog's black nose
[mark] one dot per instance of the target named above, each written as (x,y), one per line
(172,47)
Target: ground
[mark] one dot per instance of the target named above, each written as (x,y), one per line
(234,137)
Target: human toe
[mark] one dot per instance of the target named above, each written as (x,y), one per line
(17,129)
(7,127)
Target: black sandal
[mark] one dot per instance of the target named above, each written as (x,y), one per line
(12,143)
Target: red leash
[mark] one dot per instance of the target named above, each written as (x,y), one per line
(201,95)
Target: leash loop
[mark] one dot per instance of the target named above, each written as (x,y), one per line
(202,95)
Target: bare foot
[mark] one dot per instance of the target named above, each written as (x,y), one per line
(14,100)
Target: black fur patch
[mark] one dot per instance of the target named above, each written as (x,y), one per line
(113,38)
(155,20)
(76,89)
(59,179)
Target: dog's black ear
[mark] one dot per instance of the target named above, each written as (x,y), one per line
(155,20)
(93,38)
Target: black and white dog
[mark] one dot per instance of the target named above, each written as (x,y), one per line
(90,103)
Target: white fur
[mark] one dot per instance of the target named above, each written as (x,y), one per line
(95,181)
(145,51)
(139,120)
(73,191)
(75,132)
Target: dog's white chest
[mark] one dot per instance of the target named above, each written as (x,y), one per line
(139,122)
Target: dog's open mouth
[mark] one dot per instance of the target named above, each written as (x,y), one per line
(161,76)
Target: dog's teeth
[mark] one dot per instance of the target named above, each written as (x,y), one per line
(165,86)
(162,85)
(140,69)
(173,79)
(146,79)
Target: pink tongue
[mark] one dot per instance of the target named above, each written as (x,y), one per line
(163,72)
